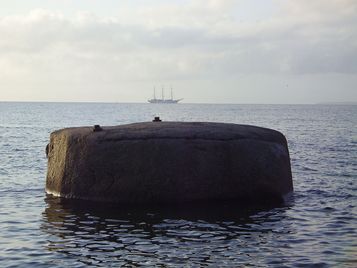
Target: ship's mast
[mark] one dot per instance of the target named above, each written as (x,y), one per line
(172,97)
(162,93)
(154,93)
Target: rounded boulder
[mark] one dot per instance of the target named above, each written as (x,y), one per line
(169,162)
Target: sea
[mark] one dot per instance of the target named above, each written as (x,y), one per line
(317,227)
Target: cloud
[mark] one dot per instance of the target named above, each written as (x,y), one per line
(199,39)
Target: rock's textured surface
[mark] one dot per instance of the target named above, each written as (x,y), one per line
(162,162)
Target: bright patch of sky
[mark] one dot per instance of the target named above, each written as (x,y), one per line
(253,10)
(71,7)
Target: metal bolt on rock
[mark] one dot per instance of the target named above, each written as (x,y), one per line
(157,119)
(97,128)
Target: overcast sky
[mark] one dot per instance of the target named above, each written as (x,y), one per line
(218,51)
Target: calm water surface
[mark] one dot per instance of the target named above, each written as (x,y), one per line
(317,228)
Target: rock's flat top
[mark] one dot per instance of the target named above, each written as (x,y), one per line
(178,130)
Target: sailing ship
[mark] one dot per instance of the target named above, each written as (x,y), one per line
(163,100)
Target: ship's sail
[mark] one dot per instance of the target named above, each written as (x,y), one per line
(163,100)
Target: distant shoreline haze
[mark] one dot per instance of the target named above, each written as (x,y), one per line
(339,103)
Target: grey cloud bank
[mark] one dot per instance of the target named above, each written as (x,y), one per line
(304,51)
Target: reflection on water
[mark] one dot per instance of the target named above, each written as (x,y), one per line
(211,235)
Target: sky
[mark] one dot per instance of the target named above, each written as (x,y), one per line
(208,51)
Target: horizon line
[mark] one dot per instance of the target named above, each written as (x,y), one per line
(223,103)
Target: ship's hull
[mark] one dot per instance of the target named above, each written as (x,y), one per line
(163,101)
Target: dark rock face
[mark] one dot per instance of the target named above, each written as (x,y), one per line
(169,162)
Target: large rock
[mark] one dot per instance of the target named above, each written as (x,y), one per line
(164,162)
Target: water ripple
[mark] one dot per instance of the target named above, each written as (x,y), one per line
(316,228)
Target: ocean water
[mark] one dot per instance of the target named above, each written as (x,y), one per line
(316,228)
